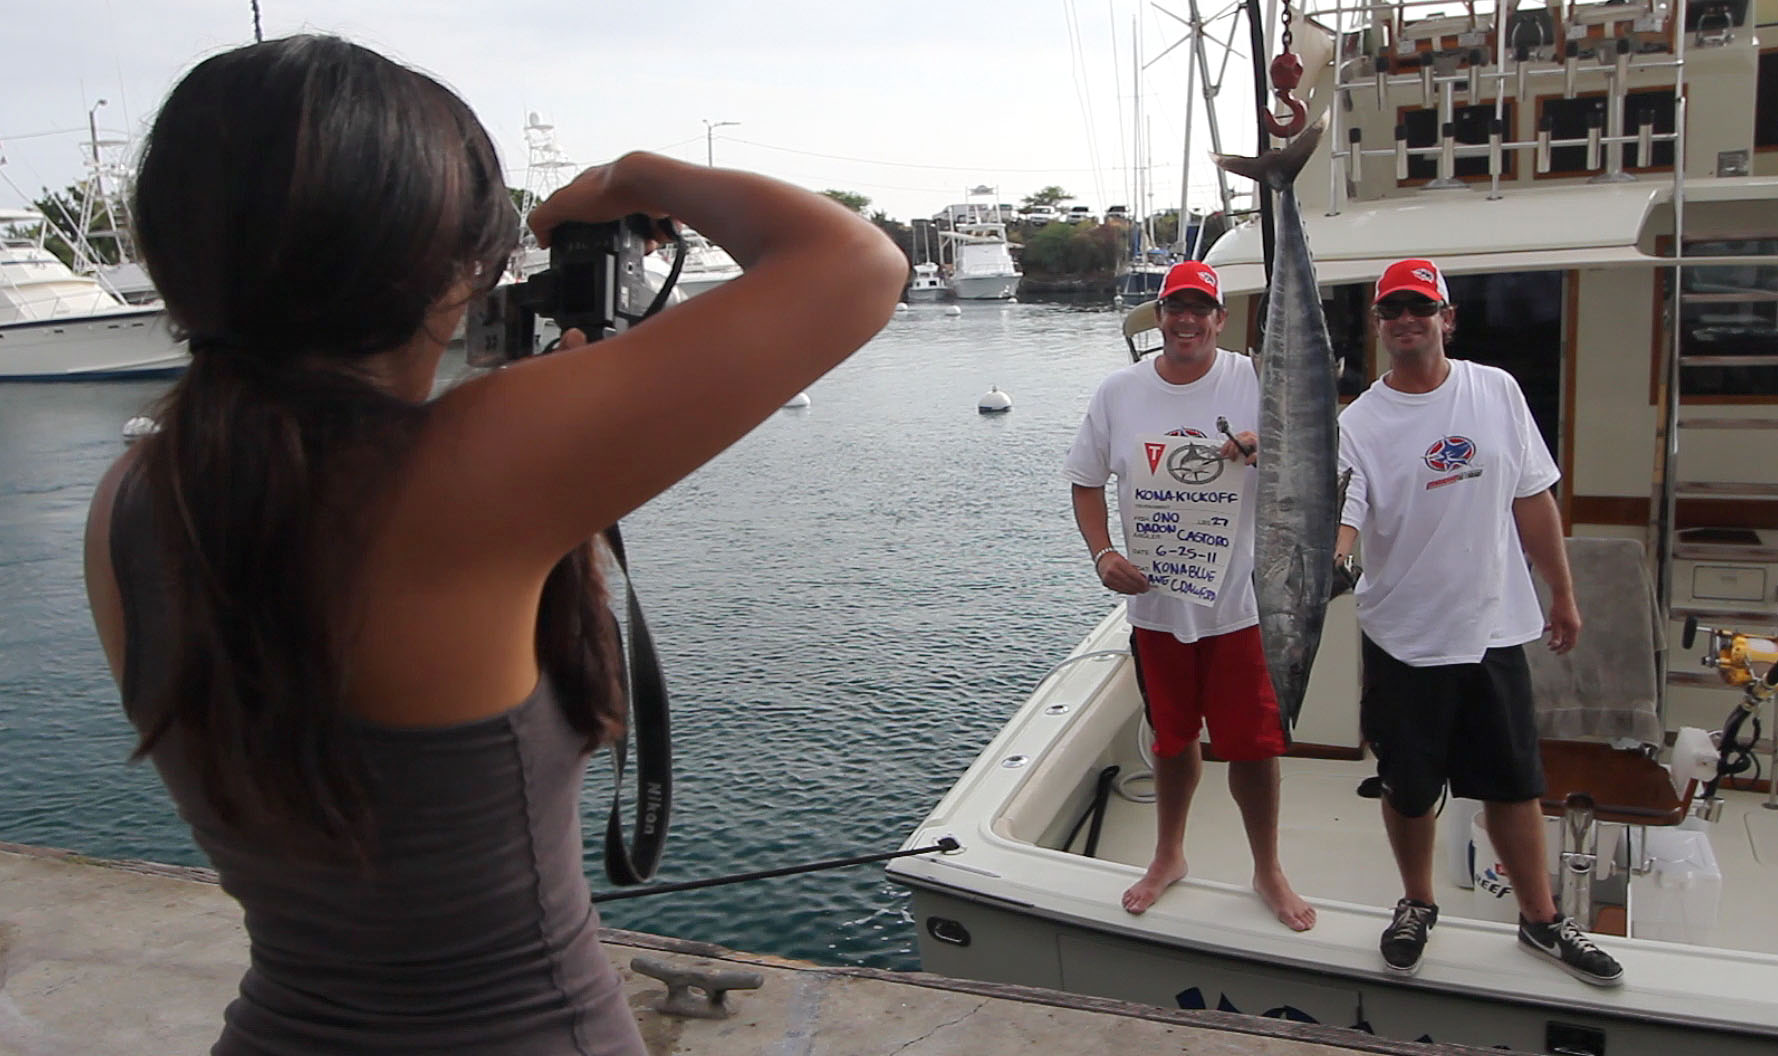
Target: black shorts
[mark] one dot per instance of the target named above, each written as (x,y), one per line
(1470,724)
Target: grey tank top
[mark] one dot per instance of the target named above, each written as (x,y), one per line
(472,932)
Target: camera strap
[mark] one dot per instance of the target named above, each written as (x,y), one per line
(649,722)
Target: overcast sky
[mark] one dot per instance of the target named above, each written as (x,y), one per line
(907,102)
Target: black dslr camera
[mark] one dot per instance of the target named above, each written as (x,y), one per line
(595,283)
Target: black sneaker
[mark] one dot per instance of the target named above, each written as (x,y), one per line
(1562,941)
(1405,937)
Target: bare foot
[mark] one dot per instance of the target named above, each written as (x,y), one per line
(1160,876)
(1292,911)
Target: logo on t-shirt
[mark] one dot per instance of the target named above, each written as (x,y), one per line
(1449,453)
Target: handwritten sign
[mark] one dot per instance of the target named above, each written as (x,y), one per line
(1186,510)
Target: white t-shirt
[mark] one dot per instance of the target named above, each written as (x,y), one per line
(1136,401)
(1434,476)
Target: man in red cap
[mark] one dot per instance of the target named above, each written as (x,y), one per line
(1197,663)
(1450,492)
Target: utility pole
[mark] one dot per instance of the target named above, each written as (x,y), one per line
(710,128)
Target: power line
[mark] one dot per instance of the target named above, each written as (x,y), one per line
(40,135)
(902,164)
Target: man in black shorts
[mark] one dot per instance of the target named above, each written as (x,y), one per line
(1449,493)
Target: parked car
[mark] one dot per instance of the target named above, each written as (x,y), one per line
(1081,214)
(1039,214)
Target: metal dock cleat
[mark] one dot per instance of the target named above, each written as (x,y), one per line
(696,993)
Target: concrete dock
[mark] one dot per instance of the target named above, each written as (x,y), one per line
(108,958)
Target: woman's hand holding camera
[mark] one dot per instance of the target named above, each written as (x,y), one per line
(601,193)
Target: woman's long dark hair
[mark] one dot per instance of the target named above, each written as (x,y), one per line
(301,205)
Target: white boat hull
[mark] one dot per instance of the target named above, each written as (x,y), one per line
(85,348)
(691,285)
(1013,946)
(985,287)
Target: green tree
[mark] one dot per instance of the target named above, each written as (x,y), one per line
(1166,227)
(104,243)
(1051,196)
(851,200)
(1063,249)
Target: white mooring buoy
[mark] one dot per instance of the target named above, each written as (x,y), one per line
(994,402)
(953,310)
(901,306)
(801,399)
(138,427)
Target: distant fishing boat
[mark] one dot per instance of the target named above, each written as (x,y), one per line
(926,285)
(59,325)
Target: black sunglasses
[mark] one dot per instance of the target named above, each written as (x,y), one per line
(1418,309)
(1180,306)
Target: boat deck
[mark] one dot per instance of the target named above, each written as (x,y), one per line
(1334,848)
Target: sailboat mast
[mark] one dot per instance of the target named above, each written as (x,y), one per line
(1182,246)
(1136,163)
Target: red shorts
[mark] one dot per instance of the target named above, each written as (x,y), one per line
(1220,681)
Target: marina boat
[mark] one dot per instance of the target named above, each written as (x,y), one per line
(1589,177)
(59,325)
(926,285)
(1141,274)
(982,267)
(707,265)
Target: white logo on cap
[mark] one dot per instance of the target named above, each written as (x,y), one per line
(1208,278)
(1425,275)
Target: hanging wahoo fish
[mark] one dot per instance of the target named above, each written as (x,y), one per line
(1296,492)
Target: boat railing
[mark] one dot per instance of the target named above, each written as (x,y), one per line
(27,306)
(1500,54)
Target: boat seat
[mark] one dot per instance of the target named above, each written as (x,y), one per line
(1602,692)
(1627,786)
(1605,687)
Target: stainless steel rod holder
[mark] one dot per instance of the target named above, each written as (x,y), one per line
(1578,858)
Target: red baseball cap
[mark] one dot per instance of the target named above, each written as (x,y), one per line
(1414,275)
(1192,275)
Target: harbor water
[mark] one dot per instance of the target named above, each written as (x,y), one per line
(848,604)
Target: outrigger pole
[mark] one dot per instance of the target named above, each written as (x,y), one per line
(1257,36)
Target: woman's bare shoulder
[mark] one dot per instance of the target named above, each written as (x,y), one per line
(102,592)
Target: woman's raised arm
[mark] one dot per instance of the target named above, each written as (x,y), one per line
(538,456)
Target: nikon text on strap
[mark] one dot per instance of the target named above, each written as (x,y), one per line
(649,722)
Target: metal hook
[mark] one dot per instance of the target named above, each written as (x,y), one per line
(1299,116)
(1287,72)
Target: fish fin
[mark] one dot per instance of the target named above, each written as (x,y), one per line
(1276,169)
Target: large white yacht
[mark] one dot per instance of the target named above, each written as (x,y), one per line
(982,267)
(1596,181)
(58,325)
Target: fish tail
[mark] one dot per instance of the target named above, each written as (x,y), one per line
(1276,169)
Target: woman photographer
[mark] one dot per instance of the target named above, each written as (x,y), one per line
(361,633)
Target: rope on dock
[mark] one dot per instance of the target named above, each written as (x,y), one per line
(944,844)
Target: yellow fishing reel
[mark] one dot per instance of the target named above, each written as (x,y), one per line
(1741,659)
(1750,663)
